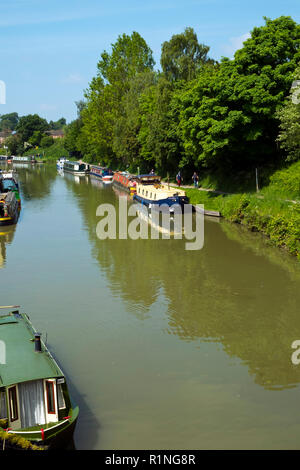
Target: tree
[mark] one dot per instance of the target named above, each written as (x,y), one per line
(9,121)
(126,144)
(59,124)
(27,125)
(183,56)
(105,102)
(289,116)
(14,144)
(46,141)
(228,115)
(35,138)
(160,144)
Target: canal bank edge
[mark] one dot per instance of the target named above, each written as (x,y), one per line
(278,219)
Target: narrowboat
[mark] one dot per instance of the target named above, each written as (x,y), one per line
(150,190)
(126,181)
(77,168)
(25,159)
(9,208)
(60,163)
(9,182)
(105,174)
(34,398)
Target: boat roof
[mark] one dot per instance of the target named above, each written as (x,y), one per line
(22,362)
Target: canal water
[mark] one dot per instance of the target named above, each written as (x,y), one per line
(163,348)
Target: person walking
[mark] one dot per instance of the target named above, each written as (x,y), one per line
(178,178)
(195,179)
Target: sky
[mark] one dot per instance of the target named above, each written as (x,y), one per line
(49,49)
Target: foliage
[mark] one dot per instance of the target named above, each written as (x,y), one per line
(289,116)
(29,124)
(9,121)
(56,125)
(52,152)
(228,114)
(46,141)
(106,101)
(183,56)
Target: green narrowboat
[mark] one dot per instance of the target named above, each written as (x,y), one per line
(77,168)
(9,182)
(9,209)
(34,399)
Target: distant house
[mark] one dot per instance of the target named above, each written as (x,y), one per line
(3,136)
(56,134)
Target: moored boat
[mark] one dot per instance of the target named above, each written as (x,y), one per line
(60,163)
(126,181)
(9,182)
(9,208)
(25,159)
(78,168)
(34,399)
(150,191)
(105,174)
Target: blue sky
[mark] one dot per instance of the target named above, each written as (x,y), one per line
(49,49)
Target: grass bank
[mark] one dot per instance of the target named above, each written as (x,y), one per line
(52,153)
(273,211)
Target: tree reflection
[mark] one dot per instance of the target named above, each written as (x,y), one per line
(224,293)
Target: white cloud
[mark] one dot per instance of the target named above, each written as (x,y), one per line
(234,44)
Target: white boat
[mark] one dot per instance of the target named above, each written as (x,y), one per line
(60,163)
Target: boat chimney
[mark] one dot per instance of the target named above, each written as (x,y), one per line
(37,342)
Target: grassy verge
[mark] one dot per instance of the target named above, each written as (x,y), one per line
(52,153)
(270,211)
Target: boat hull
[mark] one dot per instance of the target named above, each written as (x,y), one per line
(121,181)
(170,201)
(55,437)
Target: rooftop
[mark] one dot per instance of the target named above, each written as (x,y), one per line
(21,362)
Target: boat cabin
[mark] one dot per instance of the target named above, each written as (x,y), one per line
(76,167)
(34,399)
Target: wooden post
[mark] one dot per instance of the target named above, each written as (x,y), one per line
(256,177)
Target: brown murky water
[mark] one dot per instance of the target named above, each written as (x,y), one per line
(164,348)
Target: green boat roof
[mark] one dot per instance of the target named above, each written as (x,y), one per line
(17,350)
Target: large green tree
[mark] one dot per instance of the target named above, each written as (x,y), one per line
(9,121)
(183,56)
(29,124)
(105,102)
(228,114)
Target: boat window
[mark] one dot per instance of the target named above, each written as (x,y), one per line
(13,403)
(60,397)
(155,196)
(3,408)
(150,195)
(147,193)
(50,396)
(8,185)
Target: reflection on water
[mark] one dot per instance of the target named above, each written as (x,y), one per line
(165,348)
(36,180)
(6,238)
(221,293)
